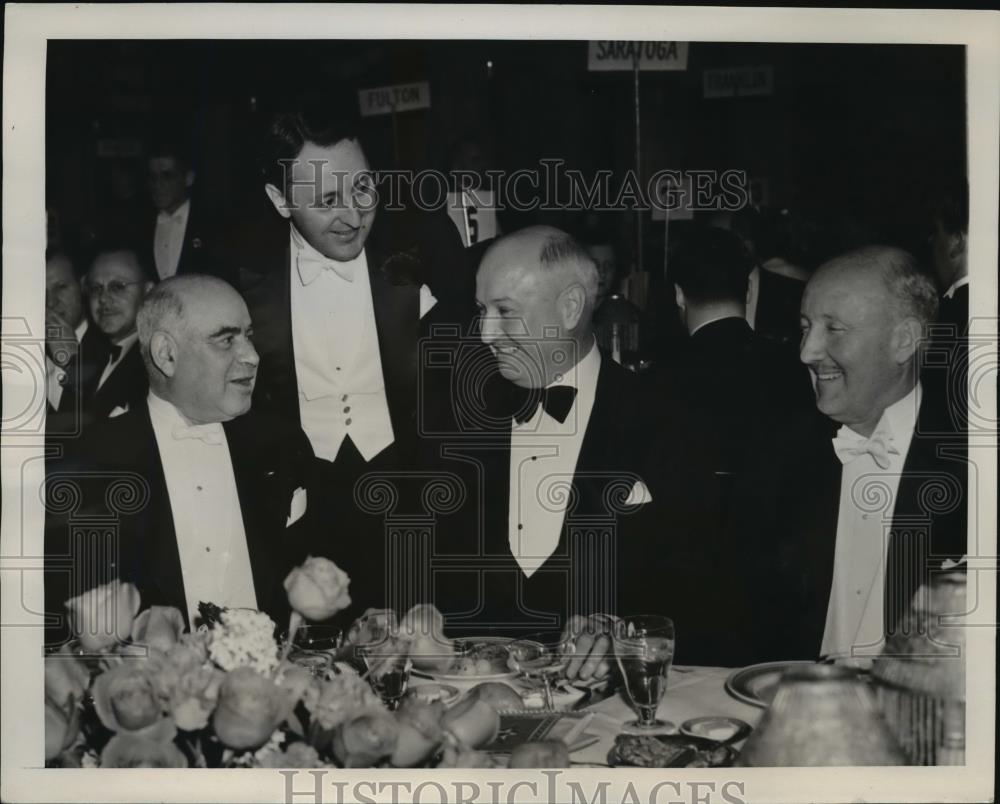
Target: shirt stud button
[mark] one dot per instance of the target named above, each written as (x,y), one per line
(347,409)
(347,421)
(520,526)
(534,457)
(343,398)
(199,488)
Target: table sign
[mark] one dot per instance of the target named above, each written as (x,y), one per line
(397,98)
(474,215)
(733,82)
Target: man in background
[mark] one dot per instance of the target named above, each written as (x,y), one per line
(115,286)
(76,351)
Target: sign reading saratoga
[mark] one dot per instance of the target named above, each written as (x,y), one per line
(606,55)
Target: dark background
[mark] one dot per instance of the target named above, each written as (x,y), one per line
(849,137)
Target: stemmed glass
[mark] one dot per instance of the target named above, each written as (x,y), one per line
(385,653)
(644,648)
(541,658)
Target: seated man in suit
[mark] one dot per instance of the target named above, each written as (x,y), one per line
(888,506)
(76,351)
(556,468)
(115,286)
(209,498)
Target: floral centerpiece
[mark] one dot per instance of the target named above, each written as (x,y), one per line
(148,693)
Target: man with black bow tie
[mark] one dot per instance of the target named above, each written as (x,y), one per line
(214,497)
(560,460)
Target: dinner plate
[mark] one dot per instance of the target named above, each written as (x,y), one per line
(757,683)
(475,678)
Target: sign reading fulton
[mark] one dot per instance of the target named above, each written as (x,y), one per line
(650,55)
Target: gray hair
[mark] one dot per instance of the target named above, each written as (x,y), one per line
(562,250)
(910,287)
(163,308)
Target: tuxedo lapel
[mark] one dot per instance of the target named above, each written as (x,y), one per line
(148,541)
(263,503)
(127,385)
(397,320)
(270,300)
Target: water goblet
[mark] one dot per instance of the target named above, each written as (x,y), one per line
(644,649)
(541,658)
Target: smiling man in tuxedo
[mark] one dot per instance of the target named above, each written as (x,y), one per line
(560,459)
(217,490)
(342,291)
(888,502)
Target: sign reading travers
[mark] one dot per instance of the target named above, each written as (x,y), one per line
(606,55)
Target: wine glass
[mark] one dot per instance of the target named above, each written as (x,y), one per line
(644,648)
(388,668)
(541,658)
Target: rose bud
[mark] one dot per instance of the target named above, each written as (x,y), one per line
(318,589)
(420,731)
(129,751)
(472,722)
(125,698)
(365,739)
(62,724)
(250,708)
(159,627)
(541,754)
(102,617)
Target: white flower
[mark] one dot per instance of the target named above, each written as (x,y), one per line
(244,638)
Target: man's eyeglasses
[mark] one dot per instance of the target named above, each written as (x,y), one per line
(115,288)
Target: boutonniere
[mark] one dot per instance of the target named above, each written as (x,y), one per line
(196,243)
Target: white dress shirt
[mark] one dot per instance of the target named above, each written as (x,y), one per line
(126,343)
(543,455)
(854,625)
(55,375)
(337,360)
(168,239)
(208,520)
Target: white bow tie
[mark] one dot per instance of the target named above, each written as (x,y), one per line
(310,267)
(849,445)
(209,433)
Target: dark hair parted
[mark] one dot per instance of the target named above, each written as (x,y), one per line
(324,120)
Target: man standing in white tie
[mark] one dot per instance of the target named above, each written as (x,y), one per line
(864,319)
(219,494)
(343,290)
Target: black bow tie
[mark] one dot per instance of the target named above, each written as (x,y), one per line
(556,401)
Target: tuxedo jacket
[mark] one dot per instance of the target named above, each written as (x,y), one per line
(605,552)
(82,374)
(794,532)
(200,251)
(121,492)
(126,387)
(402,255)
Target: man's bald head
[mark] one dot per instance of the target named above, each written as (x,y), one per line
(864,316)
(194,332)
(536,290)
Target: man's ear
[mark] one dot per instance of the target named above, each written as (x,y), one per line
(572,302)
(189,179)
(956,245)
(163,352)
(278,199)
(906,338)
